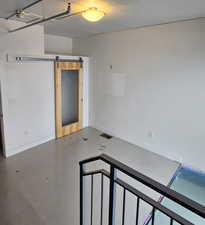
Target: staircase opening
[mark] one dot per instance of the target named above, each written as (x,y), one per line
(113,193)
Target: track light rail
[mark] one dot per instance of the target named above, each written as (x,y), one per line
(91,14)
(22,9)
(61,15)
(44,20)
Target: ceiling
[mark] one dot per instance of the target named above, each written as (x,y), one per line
(120,14)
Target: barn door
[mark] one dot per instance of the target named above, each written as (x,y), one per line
(69,97)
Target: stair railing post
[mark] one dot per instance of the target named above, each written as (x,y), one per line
(112,196)
(81,194)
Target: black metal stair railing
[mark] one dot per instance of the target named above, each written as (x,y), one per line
(145,180)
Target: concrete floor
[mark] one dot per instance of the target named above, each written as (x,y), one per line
(40,186)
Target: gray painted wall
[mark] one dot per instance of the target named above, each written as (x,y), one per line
(147,87)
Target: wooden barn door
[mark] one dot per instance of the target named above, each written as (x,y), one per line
(69,97)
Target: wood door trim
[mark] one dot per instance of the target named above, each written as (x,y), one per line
(58,104)
(80,98)
(68,65)
(68,129)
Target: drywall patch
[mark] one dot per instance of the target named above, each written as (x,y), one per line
(118,84)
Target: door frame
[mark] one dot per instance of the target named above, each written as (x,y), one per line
(76,126)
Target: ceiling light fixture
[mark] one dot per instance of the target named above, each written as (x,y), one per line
(93,14)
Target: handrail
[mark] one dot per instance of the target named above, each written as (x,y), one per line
(142,196)
(149,182)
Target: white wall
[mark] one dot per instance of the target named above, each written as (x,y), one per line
(29,41)
(58,44)
(154,94)
(28,90)
(24,90)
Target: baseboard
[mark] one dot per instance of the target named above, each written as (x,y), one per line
(145,146)
(18,149)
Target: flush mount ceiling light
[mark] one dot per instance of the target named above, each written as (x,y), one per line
(93,14)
